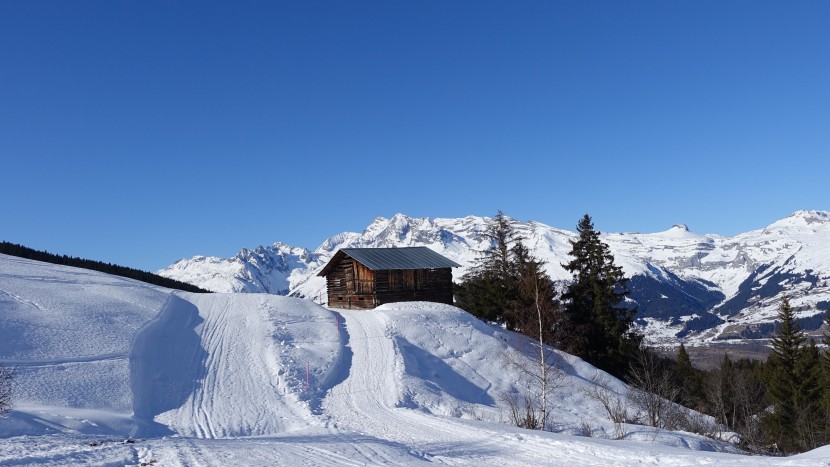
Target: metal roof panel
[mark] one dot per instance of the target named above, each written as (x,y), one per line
(419,257)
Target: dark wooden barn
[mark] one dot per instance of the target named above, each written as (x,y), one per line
(368,277)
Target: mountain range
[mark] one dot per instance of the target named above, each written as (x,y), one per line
(699,288)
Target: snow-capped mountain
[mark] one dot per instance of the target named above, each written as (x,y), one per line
(700,287)
(261,270)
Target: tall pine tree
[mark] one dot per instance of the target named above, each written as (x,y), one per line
(721,392)
(791,386)
(689,379)
(810,422)
(489,288)
(825,366)
(507,283)
(601,328)
(534,311)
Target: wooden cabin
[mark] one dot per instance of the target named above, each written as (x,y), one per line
(368,277)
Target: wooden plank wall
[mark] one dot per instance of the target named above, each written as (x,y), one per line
(353,285)
(432,285)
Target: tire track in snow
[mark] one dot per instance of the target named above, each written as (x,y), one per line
(64,361)
(238,392)
(24,301)
(363,399)
(201,406)
(308,450)
(213,336)
(367,401)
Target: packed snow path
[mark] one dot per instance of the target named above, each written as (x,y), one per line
(371,400)
(215,366)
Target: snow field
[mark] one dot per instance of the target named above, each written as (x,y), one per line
(245,379)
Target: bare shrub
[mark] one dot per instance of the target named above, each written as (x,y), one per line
(523,410)
(701,424)
(6,388)
(539,379)
(654,391)
(584,429)
(613,404)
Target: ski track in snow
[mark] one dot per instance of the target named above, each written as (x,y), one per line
(235,392)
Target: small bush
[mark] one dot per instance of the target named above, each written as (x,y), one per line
(6,388)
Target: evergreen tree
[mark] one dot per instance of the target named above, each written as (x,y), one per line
(6,390)
(827,341)
(533,311)
(810,420)
(488,289)
(507,284)
(600,327)
(826,380)
(826,360)
(785,384)
(721,392)
(689,379)
(683,370)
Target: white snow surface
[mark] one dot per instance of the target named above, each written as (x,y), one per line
(259,379)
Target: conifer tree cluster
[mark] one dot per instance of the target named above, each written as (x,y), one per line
(779,406)
(507,283)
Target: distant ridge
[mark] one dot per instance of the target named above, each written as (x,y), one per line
(21,251)
(700,288)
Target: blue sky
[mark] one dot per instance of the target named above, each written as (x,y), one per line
(141,132)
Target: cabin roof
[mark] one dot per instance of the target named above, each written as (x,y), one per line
(419,257)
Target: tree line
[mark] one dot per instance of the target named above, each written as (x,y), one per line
(779,406)
(14,249)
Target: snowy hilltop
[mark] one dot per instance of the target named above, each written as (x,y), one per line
(702,288)
(116,371)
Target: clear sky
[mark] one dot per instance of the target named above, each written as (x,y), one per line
(141,132)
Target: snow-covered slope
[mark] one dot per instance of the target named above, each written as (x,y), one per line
(699,287)
(257,379)
(96,353)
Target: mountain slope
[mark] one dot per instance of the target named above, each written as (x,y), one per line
(261,380)
(700,287)
(255,379)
